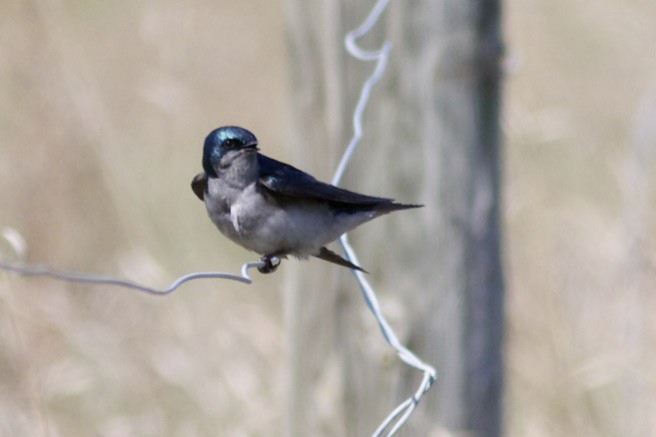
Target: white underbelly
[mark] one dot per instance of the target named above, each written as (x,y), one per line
(298,229)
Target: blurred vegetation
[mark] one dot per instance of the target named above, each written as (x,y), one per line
(580,122)
(103,109)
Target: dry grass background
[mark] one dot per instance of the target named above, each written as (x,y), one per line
(103,109)
(581,134)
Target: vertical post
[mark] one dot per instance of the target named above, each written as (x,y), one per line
(431,136)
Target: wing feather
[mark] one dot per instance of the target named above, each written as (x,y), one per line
(284,180)
(199,185)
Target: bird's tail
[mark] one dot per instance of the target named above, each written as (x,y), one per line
(386,207)
(330,256)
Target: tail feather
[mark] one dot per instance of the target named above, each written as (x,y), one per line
(392,206)
(330,256)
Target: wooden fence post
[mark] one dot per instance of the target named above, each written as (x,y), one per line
(431,136)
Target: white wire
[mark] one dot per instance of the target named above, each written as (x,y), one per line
(380,56)
(398,417)
(42,270)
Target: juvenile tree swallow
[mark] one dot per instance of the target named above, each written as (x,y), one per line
(274,209)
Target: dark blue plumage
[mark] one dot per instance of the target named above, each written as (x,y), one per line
(223,139)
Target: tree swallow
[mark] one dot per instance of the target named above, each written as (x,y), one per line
(274,209)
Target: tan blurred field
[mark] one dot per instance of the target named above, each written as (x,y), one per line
(103,109)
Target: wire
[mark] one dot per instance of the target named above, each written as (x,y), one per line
(17,244)
(399,416)
(43,270)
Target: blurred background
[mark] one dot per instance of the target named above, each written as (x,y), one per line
(103,110)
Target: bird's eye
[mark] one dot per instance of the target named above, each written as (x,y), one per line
(231,144)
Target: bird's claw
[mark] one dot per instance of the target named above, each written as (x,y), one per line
(271,263)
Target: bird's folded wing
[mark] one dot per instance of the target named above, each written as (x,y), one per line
(199,185)
(285,180)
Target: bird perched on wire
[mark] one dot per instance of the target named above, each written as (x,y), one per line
(274,209)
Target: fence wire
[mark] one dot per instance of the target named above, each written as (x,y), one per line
(399,416)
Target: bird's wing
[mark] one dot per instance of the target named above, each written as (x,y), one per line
(199,185)
(284,180)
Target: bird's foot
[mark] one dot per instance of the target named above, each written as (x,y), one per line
(271,263)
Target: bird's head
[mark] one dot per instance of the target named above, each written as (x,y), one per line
(225,144)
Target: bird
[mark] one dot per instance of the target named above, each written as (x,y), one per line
(274,209)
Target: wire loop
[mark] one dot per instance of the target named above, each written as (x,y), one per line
(43,270)
(399,416)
